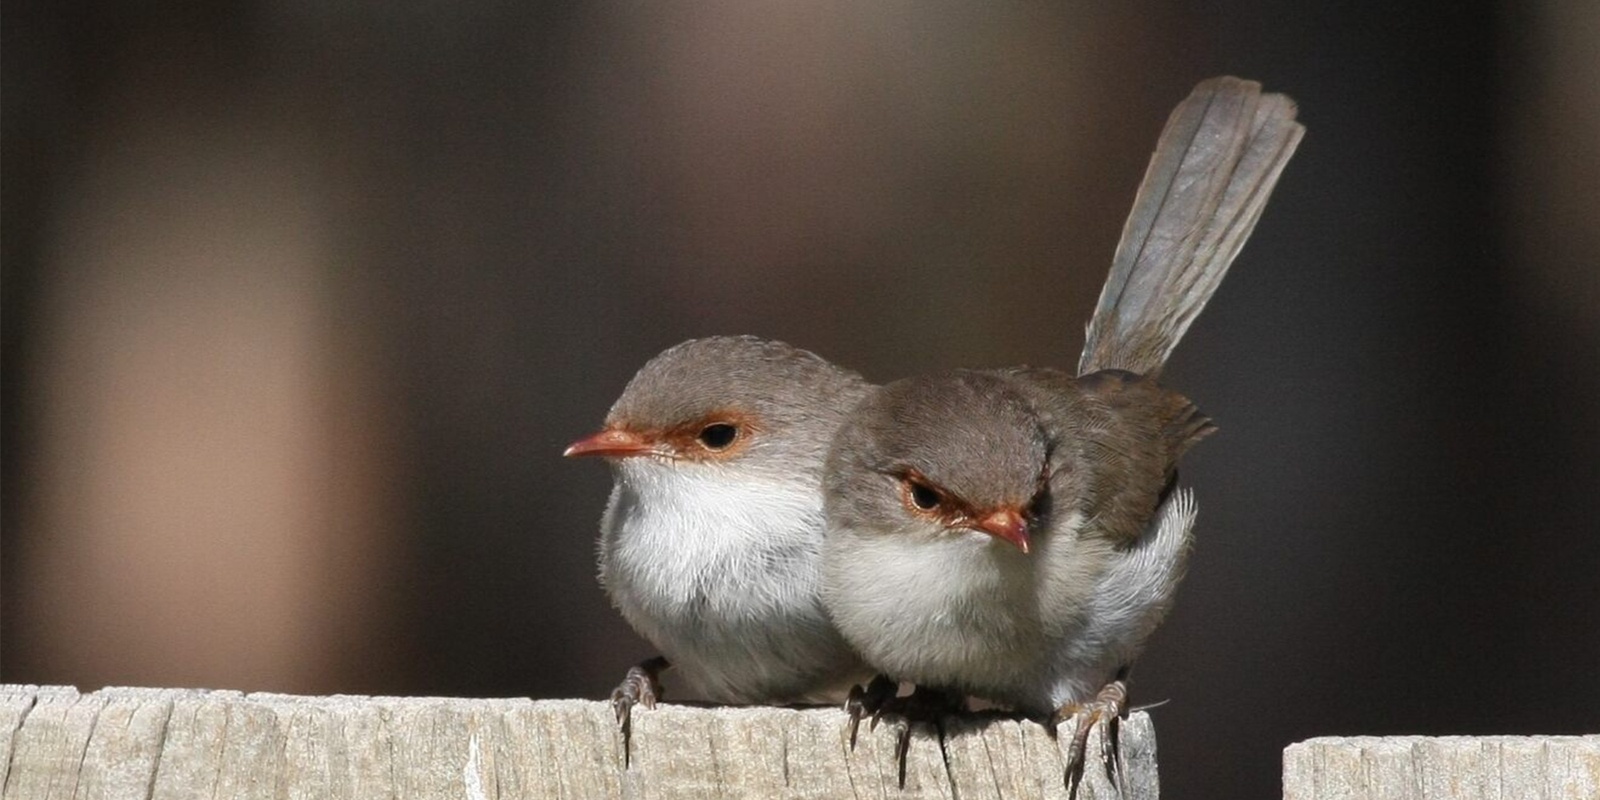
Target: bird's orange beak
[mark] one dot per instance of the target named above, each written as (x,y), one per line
(1007,524)
(610,442)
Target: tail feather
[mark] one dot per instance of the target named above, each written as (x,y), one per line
(1216,164)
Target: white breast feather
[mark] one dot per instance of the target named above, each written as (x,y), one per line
(719,571)
(952,611)
(1129,602)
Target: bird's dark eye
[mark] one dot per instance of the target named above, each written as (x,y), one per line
(923,496)
(718,436)
(1039,508)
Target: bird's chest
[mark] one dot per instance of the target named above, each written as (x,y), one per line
(709,554)
(947,609)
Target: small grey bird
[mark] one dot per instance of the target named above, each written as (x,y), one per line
(1010,534)
(1014,534)
(711,543)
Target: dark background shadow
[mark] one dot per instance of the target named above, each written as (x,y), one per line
(301,304)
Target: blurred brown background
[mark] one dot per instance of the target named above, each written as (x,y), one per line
(302,301)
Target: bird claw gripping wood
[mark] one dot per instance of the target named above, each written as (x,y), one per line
(642,686)
(1105,709)
(922,705)
(870,700)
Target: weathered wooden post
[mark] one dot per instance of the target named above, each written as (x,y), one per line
(1443,768)
(178,743)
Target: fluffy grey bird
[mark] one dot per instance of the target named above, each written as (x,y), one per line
(1010,534)
(1014,534)
(711,542)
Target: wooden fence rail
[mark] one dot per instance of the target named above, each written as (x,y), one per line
(56,743)
(182,743)
(1443,768)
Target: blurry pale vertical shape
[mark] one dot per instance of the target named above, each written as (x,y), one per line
(208,488)
(1555,168)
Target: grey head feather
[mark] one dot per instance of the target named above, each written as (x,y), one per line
(969,432)
(794,398)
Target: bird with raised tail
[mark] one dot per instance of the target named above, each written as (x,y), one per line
(1015,534)
(711,543)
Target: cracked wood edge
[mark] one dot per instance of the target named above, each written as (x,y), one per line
(1438,768)
(184,743)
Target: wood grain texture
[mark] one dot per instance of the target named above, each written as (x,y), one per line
(181,743)
(1443,768)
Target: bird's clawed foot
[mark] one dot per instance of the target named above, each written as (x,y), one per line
(868,701)
(642,686)
(922,705)
(1106,710)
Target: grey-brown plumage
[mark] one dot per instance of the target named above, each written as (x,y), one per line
(1015,534)
(710,544)
(1218,160)
(933,596)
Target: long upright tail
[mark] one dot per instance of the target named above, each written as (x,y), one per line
(1217,161)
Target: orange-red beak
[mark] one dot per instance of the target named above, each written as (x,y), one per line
(610,442)
(1006,524)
